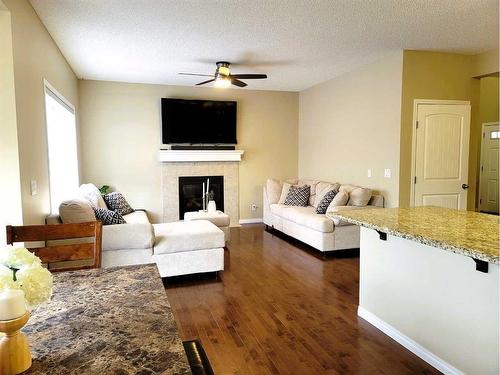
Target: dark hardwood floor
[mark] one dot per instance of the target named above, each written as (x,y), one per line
(279,307)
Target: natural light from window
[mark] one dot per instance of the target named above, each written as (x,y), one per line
(62,148)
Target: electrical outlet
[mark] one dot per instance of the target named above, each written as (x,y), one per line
(369,173)
(387,173)
(33,187)
(254,207)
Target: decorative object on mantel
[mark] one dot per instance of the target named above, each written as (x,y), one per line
(23,283)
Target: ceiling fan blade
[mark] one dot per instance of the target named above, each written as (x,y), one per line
(202,83)
(249,76)
(237,82)
(196,74)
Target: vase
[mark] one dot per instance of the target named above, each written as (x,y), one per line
(212,208)
(15,354)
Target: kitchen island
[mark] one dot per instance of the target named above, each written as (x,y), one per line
(429,278)
(106,321)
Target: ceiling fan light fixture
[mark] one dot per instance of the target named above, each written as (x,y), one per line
(222,82)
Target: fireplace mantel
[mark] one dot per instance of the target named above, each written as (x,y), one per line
(200,155)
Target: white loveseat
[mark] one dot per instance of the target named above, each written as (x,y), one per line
(304,224)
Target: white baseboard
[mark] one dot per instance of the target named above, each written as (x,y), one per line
(408,343)
(256,220)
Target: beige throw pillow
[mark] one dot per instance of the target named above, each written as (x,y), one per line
(284,192)
(340,200)
(76,211)
(273,190)
(322,188)
(92,194)
(359,197)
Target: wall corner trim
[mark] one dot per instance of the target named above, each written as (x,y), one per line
(408,343)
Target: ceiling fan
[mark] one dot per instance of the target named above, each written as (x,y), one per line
(224,78)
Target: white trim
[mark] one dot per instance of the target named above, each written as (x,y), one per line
(483,130)
(200,155)
(416,103)
(408,343)
(256,220)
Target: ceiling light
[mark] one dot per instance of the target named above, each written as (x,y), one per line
(222,82)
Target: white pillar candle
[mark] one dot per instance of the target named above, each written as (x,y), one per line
(208,184)
(12,304)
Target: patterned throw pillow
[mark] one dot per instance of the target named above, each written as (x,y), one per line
(116,202)
(325,202)
(108,217)
(298,196)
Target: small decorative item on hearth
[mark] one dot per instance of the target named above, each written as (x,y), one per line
(24,285)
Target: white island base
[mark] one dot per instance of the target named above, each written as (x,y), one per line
(432,301)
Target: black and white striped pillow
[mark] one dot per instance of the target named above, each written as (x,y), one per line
(108,217)
(325,202)
(116,202)
(298,196)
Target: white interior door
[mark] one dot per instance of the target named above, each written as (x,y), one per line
(442,155)
(488,185)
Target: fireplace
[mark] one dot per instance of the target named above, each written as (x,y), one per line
(190,193)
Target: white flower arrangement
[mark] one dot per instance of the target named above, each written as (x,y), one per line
(21,269)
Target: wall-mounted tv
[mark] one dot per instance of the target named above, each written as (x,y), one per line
(198,121)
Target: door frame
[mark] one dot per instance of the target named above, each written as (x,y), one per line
(483,125)
(416,103)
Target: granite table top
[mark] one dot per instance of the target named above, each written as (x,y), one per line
(106,321)
(464,232)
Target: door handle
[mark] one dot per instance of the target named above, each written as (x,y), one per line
(465,186)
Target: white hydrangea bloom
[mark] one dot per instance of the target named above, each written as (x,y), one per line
(7,279)
(36,282)
(16,257)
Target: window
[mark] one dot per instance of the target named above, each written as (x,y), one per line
(495,135)
(62,147)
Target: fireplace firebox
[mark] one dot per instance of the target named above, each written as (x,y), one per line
(190,193)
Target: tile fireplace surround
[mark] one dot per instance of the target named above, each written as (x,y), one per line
(171,171)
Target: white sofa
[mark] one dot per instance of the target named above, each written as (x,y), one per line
(304,224)
(177,248)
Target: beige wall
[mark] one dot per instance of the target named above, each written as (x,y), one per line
(36,57)
(351,123)
(435,75)
(486,63)
(121,136)
(10,193)
(488,99)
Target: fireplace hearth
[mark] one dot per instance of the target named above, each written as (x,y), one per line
(190,193)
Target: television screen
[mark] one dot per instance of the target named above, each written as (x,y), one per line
(198,121)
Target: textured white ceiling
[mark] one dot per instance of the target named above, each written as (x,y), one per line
(298,43)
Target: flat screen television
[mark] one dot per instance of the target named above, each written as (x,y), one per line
(198,121)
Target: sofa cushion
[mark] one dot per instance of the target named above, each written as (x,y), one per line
(307,217)
(322,188)
(340,199)
(127,236)
(138,216)
(273,189)
(325,202)
(284,192)
(358,196)
(76,211)
(108,217)
(312,194)
(298,196)
(117,202)
(187,236)
(92,194)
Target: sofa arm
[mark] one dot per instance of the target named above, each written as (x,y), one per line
(339,222)
(127,236)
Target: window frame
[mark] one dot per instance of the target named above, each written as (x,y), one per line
(49,89)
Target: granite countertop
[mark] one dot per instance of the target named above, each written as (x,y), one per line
(106,321)
(464,232)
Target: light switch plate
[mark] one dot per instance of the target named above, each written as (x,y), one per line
(387,173)
(33,187)
(369,173)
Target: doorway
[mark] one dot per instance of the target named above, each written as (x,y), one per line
(488,177)
(440,153)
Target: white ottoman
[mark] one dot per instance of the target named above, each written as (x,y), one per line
(188,247)
(218,218)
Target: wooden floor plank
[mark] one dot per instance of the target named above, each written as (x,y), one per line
(280,307)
